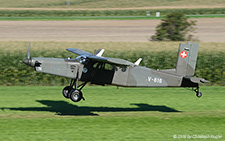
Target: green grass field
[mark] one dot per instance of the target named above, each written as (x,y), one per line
(42,113)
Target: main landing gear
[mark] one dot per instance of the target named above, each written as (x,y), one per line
(73,92)
(198,93)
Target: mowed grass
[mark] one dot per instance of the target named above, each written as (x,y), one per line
(42,113)
(107,3)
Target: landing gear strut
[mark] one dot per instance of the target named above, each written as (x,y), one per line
(198,93)
(73,92)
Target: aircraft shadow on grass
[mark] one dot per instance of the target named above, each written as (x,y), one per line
(65,108)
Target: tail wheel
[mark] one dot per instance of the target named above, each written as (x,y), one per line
(198,94)
(76,95)
(66,91)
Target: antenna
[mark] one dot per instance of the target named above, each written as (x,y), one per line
(99,54)
(138,62)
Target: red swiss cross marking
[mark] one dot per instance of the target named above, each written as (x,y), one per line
(183,54)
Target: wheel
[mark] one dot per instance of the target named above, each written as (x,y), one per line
(76,95)
(66,91)
(198,94)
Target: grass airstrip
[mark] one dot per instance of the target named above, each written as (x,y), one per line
(108,113)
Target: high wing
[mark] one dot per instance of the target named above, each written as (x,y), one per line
(79,51)
(94,57)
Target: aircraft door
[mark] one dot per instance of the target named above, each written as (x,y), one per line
(121,75)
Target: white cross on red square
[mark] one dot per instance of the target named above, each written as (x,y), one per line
(183,54)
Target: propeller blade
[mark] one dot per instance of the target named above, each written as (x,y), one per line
(28,51)
(28,60)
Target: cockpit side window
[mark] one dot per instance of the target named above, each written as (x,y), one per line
(108,67)
(105,66)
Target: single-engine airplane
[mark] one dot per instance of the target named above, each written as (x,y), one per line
(94,68)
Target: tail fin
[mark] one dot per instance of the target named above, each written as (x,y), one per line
(186,60)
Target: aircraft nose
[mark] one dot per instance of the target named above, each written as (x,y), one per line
(27,62)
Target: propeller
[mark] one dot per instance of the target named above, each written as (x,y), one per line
(28,51)
(28,60)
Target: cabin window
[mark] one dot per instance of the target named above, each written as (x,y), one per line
(108,67)
(105,66)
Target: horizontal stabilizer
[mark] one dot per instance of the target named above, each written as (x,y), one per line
(198,80)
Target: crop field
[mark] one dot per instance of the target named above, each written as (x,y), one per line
(110,4)
(108,113)
(129,47)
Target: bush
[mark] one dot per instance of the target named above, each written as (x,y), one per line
(175,27)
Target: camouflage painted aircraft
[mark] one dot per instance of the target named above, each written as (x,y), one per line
(94,68)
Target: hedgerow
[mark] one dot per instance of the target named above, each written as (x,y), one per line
(136,12)
(13,72)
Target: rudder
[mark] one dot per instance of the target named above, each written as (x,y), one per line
(186,59)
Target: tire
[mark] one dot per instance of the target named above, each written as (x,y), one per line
(66,91)
(76,95)
(198,94)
